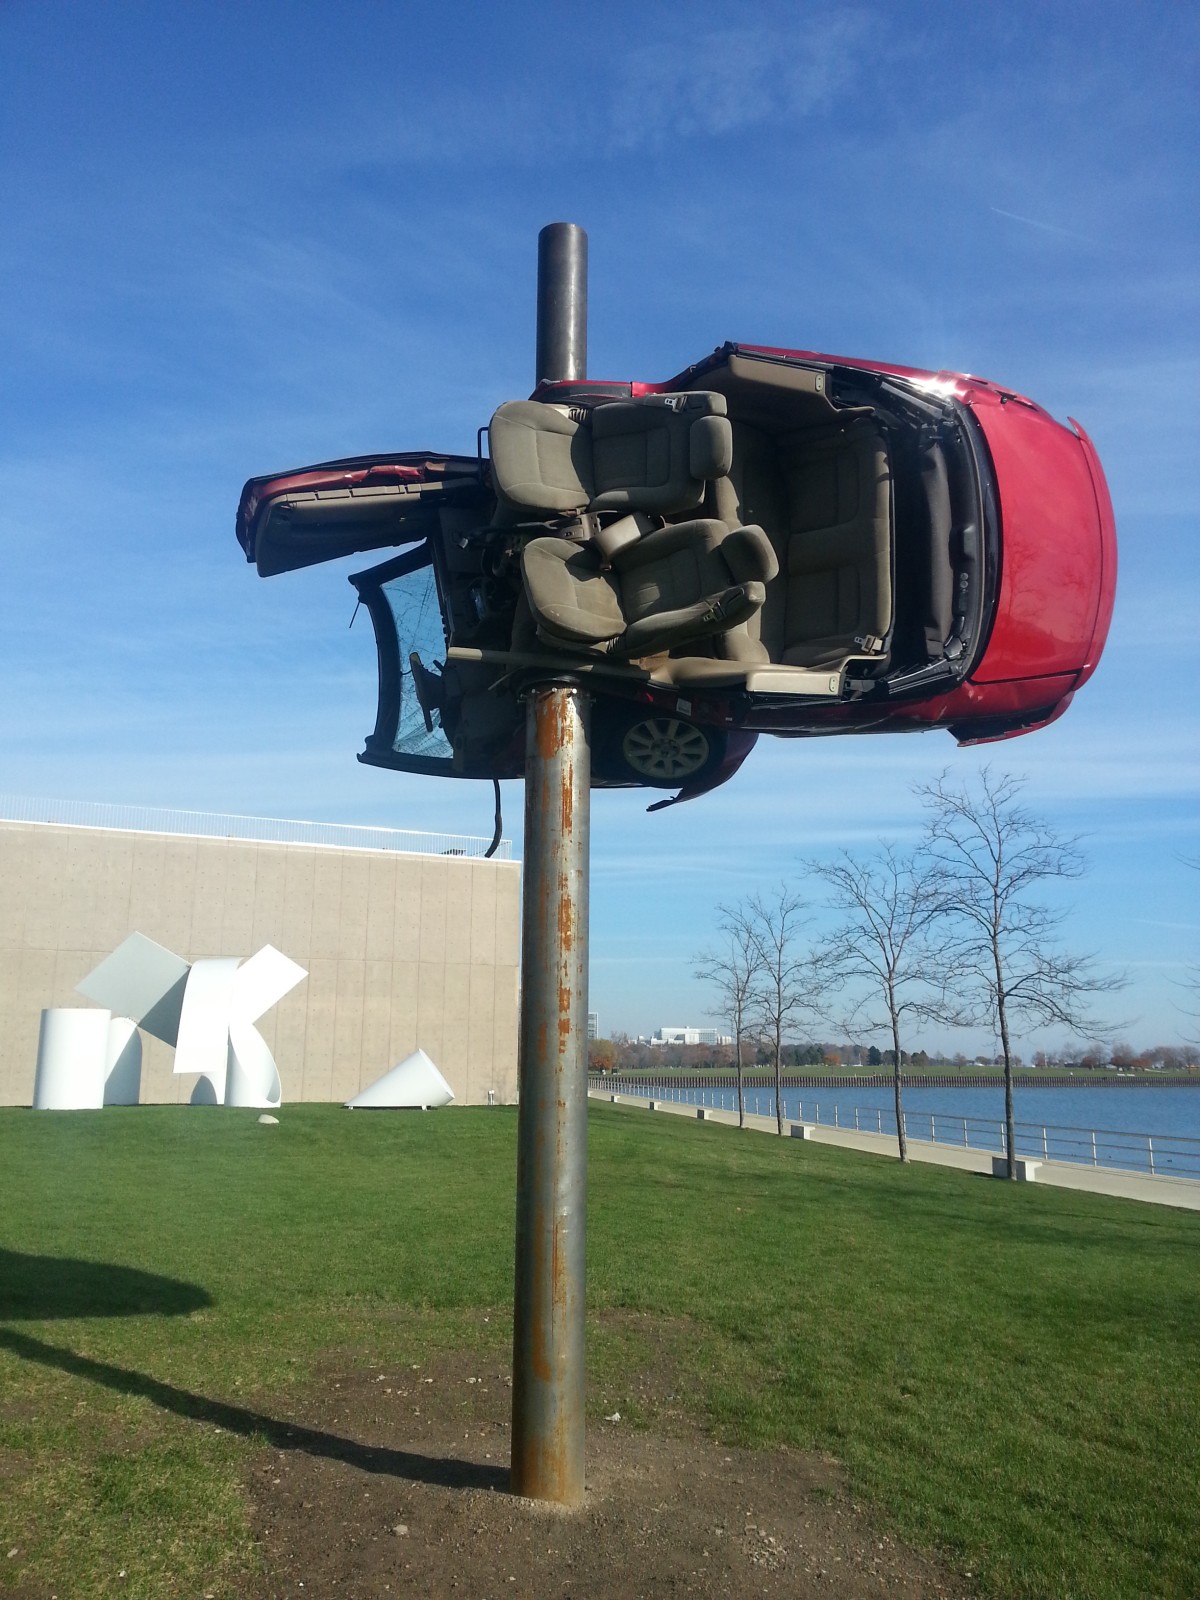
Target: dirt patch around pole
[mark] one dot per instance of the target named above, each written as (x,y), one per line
(398,1485)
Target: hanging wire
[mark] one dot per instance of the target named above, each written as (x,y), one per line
(495,844)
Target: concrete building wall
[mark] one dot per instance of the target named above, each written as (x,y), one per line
(401,950)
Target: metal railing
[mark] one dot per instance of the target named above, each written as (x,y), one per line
(1157,1154)
(264,830)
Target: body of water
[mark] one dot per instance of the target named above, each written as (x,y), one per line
(1140,1129)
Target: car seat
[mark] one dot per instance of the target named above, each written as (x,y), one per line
(648,592)
(652,454)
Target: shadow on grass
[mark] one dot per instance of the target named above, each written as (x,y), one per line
(41,1288)
(448,1473)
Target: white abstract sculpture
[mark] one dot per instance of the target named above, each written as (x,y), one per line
(141,980)
(72,1047)
(123,1063)
(206,1010)
(415,1082)
(85,1060)
(217,1037)
(258,984)
(202,1043)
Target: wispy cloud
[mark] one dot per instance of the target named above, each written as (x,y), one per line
(1044,227)
(697,82)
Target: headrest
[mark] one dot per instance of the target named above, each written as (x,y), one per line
(710,447)
(750,554)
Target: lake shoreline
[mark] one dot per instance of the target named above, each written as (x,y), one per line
(761,1081)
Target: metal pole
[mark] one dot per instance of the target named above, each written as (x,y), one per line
(562,303)
(548,1312)
(548,1305)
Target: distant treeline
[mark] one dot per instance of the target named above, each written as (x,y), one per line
(1053,1079)
(837,1061)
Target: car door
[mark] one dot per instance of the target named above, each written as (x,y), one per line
(337,508)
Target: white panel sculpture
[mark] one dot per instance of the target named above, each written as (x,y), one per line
(415,1082)
(258,984)
(202,1045)
(142,980)
(206,1010)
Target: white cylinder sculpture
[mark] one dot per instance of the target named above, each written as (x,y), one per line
(72,1059)
(123,1063)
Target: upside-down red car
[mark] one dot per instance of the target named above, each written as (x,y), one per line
(772,542)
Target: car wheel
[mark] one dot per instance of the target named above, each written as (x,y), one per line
(663,751)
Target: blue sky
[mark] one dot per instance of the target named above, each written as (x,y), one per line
(243,237)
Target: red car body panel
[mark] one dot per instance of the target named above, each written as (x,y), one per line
(1017,698)
(320,478)
(1050,534)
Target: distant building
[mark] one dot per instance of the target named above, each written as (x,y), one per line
(686,1035)
(593,1025)
(409,940)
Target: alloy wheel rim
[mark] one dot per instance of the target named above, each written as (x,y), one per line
(664,747)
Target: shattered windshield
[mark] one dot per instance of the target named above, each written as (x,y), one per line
(417,614)
(402,599)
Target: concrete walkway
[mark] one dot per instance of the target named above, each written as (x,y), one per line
(1162,1191)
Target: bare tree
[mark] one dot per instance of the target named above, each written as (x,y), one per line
(786,984)
(1190,983)
(890,903)
(996,857)
(732,969)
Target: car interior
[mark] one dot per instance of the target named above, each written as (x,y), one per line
(742,533)
(755,533)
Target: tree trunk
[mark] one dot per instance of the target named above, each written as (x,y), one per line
(740,1084)
(778,1087)
(1010,1127)
(1005,1047)
(901,1135)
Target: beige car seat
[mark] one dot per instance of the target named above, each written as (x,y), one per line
(653,454)
(655,592)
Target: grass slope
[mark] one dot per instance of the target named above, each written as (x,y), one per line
(1008,1372)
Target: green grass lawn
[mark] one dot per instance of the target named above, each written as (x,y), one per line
(1010,1373)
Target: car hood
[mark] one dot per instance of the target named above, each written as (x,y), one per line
(1057,547)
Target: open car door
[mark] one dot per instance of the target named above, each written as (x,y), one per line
(337,508)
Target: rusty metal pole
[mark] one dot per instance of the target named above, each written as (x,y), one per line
(548,1304)
(548,1313)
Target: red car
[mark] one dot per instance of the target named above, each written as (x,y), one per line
(773,541)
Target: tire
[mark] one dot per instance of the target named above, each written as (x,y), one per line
(663,751)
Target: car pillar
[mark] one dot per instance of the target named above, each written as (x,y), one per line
(548,1303)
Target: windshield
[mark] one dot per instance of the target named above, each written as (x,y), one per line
(402,599)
